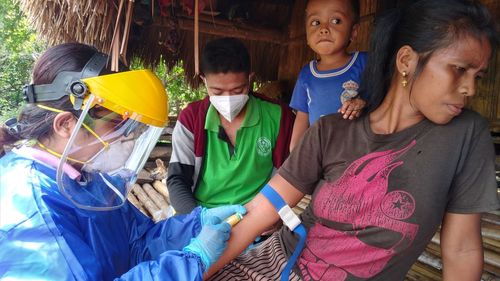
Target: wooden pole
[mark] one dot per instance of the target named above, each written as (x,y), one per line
(126,31)
(196,40)
(116,30)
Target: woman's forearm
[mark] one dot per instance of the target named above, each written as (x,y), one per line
(261,214)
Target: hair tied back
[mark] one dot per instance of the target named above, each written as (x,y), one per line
(13,126)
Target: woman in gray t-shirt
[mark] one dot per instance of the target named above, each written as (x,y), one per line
(381,185)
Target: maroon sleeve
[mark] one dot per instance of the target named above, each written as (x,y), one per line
(282,149)
(188,143)
(193,118)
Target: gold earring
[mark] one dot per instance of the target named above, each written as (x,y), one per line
(405,81)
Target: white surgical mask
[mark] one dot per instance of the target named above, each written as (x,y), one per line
(229,106)
(112,158)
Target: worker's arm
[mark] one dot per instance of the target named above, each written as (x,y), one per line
(181,170)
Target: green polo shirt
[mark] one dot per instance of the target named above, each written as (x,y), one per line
(237,178)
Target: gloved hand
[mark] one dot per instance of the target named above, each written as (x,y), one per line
(212,239)
(222,212)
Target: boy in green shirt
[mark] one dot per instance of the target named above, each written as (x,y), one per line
(226,146)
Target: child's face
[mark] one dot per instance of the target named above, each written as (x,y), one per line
(329,26)
(450,77)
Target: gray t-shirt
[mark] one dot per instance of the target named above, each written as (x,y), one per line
(377,200)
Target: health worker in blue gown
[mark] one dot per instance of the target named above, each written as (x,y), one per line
(75,151)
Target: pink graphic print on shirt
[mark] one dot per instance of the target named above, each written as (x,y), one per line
(359,200)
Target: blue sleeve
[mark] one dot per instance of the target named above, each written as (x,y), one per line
(149,240)
(171,265)
(156,250)
(46,238)
(299,95)
(361,63)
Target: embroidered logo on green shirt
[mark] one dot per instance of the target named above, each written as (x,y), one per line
(263,146)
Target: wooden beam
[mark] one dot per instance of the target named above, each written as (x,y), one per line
(226,28)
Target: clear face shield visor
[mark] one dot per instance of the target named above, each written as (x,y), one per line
(108,152)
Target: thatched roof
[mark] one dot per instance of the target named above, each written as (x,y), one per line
(58,21)
(166,33)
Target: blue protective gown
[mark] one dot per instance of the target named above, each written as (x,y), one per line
(44,237)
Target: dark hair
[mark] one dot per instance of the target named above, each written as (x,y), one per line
(425,26)
(225,55)
(355,8)
(34,122)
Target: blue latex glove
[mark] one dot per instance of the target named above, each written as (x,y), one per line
(212,239)
(221,213)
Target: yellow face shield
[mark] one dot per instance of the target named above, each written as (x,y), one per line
(139,103)
(108,171)
(120,118)
(138,95)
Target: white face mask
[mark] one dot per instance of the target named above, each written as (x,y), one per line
(229,106)
(112,158)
